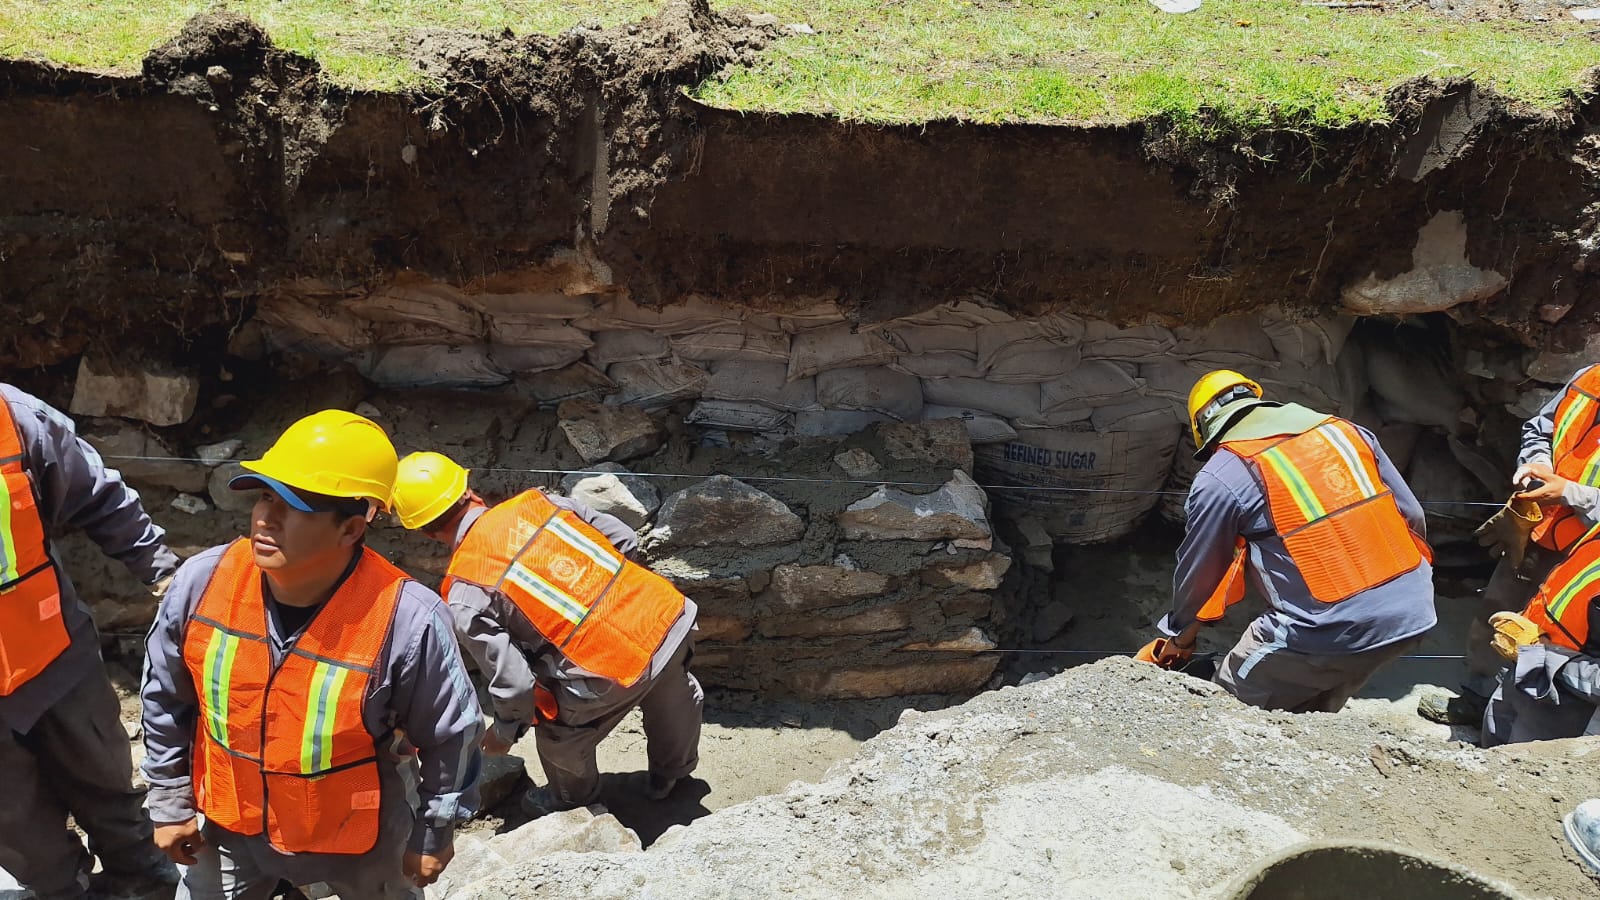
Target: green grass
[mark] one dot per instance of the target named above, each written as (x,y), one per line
(1233,63)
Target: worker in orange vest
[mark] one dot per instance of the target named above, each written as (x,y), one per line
(1309,510)
(1551,688)
(1557,500)
(296,683)
(571,634)
(62,747)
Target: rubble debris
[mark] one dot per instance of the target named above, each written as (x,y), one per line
(616,433)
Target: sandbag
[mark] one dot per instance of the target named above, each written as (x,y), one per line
(1115,475)
(947,328)
(539,333)
(694,314)
(1175,492)
(760,382)
(1227,343)
(1306,340)
(322,328)
(529,307)
(612,347)
(438,366)
(1138,414)
(1033,366)
(1008,401)
(1442,485)
(734,415)
(1171,379)
(533,358)
(419,314)
(1137,343)
(1399,442)
(1317,386)
(982,427)
(938,365)
(733,343)
(817,315)
(1411,381)
(1095,382)
(871,389)
(653,383)
(1026,336)
(1057,418)
(834,422)
(836,347)
(577,381)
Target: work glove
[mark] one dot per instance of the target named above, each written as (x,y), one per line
(1163,653)
(158,589)
(1511,632)
(1506,533)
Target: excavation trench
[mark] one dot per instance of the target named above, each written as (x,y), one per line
(883,401)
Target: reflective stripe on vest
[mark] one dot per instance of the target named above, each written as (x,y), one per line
(1336,517)
(285,750)
(33,631)
(1562,605)
(1575,456)
(602,612)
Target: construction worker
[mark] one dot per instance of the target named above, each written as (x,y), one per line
(1313,509)
(62,746)
(571,634)
(1557,500)
(1550,687)
(298,686)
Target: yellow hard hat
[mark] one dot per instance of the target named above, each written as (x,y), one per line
(427,485)
(1215,399)
(333,453)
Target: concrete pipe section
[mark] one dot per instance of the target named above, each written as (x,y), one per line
(1329,870)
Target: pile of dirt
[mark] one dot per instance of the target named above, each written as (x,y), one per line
(1114,779)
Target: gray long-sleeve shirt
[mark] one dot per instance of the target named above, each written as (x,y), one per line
(1538,442)
(77,491)
(511,652)
(1226,501)
(421,689)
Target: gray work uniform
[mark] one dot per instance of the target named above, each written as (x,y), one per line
(1278,663)
(1550,692)
(421,698)
(1509,589)
(62,746)
(515,657)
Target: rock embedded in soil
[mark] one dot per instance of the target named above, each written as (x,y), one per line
(983,575)
(225,498)
(956,511)
(723,511)
(220,452)
(819,587)
(615,433)
(616,492)
(134,391)
(144,460)
(500,776)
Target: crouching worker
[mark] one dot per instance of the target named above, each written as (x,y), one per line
(571,634)
(1551,687)
(298,688)
(1309,508)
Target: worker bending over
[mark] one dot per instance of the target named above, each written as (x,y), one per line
(297,683)
(62,747)
(1551,687)
(1557,502)
(1313,509)
(570,633)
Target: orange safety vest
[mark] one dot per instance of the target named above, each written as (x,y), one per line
(32,630)
(1575,451)
(1335,515)
(285,751)
(599,610)
(1561,607)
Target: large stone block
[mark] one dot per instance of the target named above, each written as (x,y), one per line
(972,640)
(983,575)
(152,395)
(715,627)
(723,511)
(942,676)
(973,605)
(614,433)
(573,831)
(819,587)
(501,775)
(956,511)
(225,498)
(617,492)
(873,621)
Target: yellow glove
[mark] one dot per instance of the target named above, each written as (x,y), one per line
(1511,631)
(1506,533)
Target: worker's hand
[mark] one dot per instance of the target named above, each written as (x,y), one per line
(181,842)
(1549,492)
(159,589)
(424,869)
(493,743)
(1170,655)
(1507,532)
(1512,632)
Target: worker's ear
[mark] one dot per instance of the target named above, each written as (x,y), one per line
(351,531)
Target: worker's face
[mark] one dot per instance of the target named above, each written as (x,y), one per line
(287,541)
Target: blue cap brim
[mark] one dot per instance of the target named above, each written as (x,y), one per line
(251,481)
